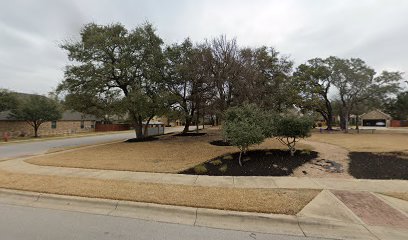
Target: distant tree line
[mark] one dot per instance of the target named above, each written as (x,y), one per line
(116,71)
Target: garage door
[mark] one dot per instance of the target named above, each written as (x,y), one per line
(374,122)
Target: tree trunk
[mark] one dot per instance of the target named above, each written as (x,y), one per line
(357,123)
(292,151)
(187,125)
(139,130)
(239,159)
(139,126)
(197,120)
(146,127)
(36,131)
(329,121)
(346,122)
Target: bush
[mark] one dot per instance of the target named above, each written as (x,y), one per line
(200,169)
(290,129)
(223,168)
(243,127)
(216,162)
(248,125)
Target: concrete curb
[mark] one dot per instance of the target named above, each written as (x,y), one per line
(242,221)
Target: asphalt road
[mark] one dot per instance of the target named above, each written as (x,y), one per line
(20,222)
(12,150)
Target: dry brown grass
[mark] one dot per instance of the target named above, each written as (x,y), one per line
(279,201)
(400,195)
(168,154)
(366,142)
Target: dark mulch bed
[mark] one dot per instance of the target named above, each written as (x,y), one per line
(255,163)
(393,165)
(190,134)
(146,139)
(220,143)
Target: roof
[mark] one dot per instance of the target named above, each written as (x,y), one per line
(66,116)
(376,114)
(77,116)
(154,123)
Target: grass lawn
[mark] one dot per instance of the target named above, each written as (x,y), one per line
(400,195)
(278,201)
(167,154)
(366,142)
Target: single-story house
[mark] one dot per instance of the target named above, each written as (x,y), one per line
(70,123)
(376,118)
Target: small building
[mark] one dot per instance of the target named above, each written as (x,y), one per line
(71,122)
(154,128)
(375,118)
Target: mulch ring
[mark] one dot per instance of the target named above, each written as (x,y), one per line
(367,165)
(255,163)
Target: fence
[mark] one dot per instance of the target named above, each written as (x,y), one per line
(399,123)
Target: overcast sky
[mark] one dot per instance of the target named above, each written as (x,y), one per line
(30,31)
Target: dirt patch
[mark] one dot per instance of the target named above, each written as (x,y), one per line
(255,163)
(278,201)
(333,162)
(168,154)
(370,165)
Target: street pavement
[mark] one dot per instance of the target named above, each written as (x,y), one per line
(20,222)
(12,150)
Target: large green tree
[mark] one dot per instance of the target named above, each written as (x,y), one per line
(264,79)
(356,82)
(111,60)
(186,80)
(398,107)
(8,100)
(36,110)
(313,80)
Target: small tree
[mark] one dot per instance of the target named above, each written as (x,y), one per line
(36,110)
(242,127)
(289,130)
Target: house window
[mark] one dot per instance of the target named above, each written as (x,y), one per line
(54,124)
(82,124)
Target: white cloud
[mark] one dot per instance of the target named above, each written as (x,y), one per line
(30,60)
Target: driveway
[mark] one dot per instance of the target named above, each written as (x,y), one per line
(12,150)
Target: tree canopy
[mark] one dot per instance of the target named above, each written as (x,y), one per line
(113,62)
(8,100)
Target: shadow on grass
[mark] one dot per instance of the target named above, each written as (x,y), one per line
(190,134)
(255,163)
(146,139)
(367,165)
(220,143)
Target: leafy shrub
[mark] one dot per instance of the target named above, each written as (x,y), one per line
(228,157)
(200,169)
(216,162)
(223,168)
(243,127)
(290,129)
